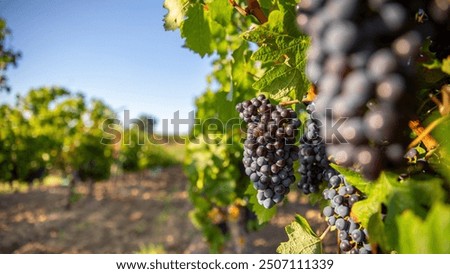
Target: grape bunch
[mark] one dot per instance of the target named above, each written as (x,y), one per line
(269,148)
(315,169)
(362,60)
(342,195)
(312,156)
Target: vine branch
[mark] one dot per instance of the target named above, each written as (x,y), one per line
(253,8)
(424,133)
(444,106)
(428,140)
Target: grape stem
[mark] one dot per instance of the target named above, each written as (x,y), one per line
(444,106)
(253,8)
(423,134)
(428,140)
(287,103)
(325,233)
(426,131)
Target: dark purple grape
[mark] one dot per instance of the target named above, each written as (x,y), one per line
(357,235)
(342,210)
(268,157)
(394,16)
(341,224)
(345,246)
(328,211)
(340,37)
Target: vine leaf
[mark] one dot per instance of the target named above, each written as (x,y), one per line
(282,55)
(287,72)
(446,66)
(435,227)
(280,79)
(354,178)
(415,195)
(175,14)
(378,231)
(377,193)
(302,239)
(441,161)
(197,31)
(221,12)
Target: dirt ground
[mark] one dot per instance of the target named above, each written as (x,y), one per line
(130,213)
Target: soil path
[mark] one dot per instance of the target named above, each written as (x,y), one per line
(132,212)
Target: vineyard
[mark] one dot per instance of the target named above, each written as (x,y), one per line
(323,128)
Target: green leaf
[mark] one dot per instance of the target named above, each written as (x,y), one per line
(221,11)
(363,210)
(289,16)
(377,194)
(175,14)
(446,66)
(267,54)
(415,194)
(288,72)
(263,214)
(266,4)
(302,239)
(354,178)
(441,160)
(282,46)
(284,57)
(278,79)
(242,70)
(425,236)
(196,29)
(378,231)
(434,64)
(275,21)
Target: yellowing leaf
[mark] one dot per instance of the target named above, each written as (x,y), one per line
(302,239)
(446,65)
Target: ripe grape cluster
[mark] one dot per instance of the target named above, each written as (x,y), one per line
(315,169)
(362,61)
(342,195)
(269,148)
(312,155)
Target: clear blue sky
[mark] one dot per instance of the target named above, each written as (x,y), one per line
(115,50)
